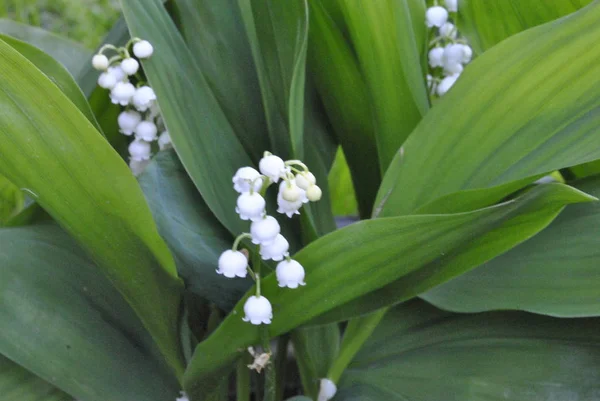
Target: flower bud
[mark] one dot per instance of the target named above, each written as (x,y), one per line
(107,80)
(314,193)
(250,206)
(305,179)
(436,57)
(452,5)
(146,130)
(258,310)
(100,62)
(448,30)
(290,274)
(446,83)
(232,264)
(327,390)
(138,166)
(128,120)
(117,72)
(272,166)
(143,49)
(139,150)
(164,140)
(467,54)
(291,192)
(130,66)
(436,16)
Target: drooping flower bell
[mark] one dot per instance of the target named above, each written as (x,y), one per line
(100,62)
(448,30)
(250,206)
(130,66)
(446,83)
(122,93)
(143,98)
(258,310)
(290,274)
(246,178)
(436,57)
(436,16)
(128,120)
(452,5)
(233,264)
(164,140)
(143,49)
(276,250)
(146,130)
(139,150)
(272,166)
(106,80)
(265,230)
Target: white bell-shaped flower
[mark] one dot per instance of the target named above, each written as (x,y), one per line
(314,193)
(450,69)
(233,264)
(143,49)
(305,179)
(130,66)
(436,57)
(436,16)
(164,140)
(117,72)
(286,207)
(122,93)
(107,80)
(467,54)
(246,178)
(290,274)
(327,390)
(100,62)
(250,206)
(143,98)
(182,397)
(276,250)
(272,166)
(139,150)
(453,54)
(448,30)
(146,130)
(265,230)
(452,5)
(138,166)
(128,120)
(446,83)
(258,310)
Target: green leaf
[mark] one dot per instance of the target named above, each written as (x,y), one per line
(17,384)
(214,32)
(517,111)
(56,73)
(202,135)
(11,200)
(64,321)
(586,169)
(421,353)
(341,85)
(486,23)
(389,57)
(315,349)
(54,153)
(401,247)
(70,54)
(340,187)
(556,273)
(194,235)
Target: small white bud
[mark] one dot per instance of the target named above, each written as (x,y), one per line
(100,62)
(467,54)
(452,5)
(436,57)
(446,83)
(314,193)
(290,274)
(265,230)
(250,206)
(258,310)
(107,80)
(164,140)
(117,72)
(455,68)
(138,166)
(128,120)
(305,179)
(130,66)
(272,166)
(291,192)
(436,16)
(143,98)
(143,49)
(139,150)
(122,93)
(243,179)
(453,54)
(232,264)
(327,390)
(448,30)
(277,250)
(146,130)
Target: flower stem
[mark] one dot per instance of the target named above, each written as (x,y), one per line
(270,379)
(237,241)
(242,379)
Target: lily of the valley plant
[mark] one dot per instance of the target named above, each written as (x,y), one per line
(304,200)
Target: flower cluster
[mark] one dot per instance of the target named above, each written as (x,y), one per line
(140,117)
(448,52)
(297,186)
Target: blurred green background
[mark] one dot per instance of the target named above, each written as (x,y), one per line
(84,21)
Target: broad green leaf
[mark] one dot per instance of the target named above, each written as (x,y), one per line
(194,235)
(517,111)
(389,57)
(202,135)
(54,153)
(339,268)
(11,200)
(463,258)
(56,73)
(214,32)
(70,54)
(586,169)
(421,353)
(64,321)
(17,384)
(341,85)
(315,348)
(557,272)
(488,22)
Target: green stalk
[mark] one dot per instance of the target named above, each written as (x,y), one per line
(242,379)
(270,377)
(280,366)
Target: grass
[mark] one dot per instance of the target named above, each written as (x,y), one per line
(85,21)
